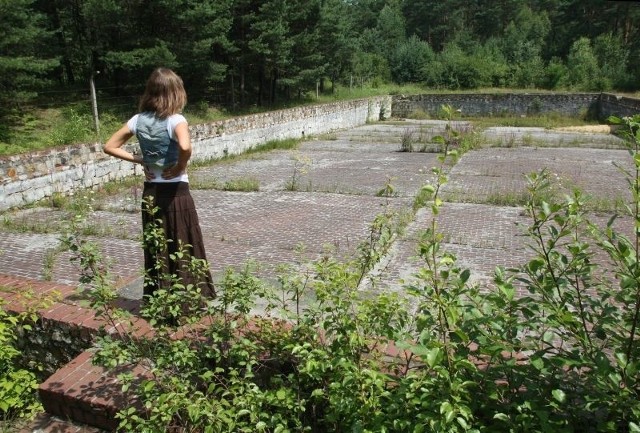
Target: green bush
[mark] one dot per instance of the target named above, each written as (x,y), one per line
(550,346)
(77,127)
(18,386)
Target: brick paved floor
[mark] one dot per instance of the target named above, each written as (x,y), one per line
(334,203)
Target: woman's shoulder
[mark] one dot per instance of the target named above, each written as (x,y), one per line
(178,116)
(132,123)
(176,119)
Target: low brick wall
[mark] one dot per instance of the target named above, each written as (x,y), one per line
(63,330)
(66,326)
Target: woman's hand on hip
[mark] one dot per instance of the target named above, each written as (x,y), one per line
(172,172)
(148,174)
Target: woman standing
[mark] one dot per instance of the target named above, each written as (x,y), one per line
(163,135)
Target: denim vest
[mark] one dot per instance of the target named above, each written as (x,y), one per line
(159,150)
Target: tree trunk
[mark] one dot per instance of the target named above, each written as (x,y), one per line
(260,85)
(233,90)
(67,69)
(272,90)
(242,78)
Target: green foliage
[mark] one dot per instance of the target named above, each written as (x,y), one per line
(613,59)
(410,60)
(370,69)
(248,56)
(582,64)
(549,346)
(23,66)
(18,386)
(522,46)
(457,69)
(337,39)
(74,128)
(390,30)
(141,58)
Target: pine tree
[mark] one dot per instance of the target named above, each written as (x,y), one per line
(22,69)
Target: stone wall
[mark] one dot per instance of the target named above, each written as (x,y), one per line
(28,178)
(54,343)
(237,135)
(499,104)
(618,106)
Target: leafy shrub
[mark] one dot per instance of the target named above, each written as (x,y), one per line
(551,346)
(18,386)
(76,128)
(409,59)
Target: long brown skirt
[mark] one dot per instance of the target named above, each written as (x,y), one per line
(174,212)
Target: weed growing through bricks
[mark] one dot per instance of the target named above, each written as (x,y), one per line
(241,184)
(388,190)
(408,139)
(301,166)
(550,346)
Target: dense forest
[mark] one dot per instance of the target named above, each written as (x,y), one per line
(261,52)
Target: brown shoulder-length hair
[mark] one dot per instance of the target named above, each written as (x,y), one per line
(164,93)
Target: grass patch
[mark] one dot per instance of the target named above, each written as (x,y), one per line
(95,199)
(329,137)
(345,93)
(244,184)
(47,128)
(116,186)
(29,225)
(286,144)
(616,205)
(506,198)
(56,222)
(548,121)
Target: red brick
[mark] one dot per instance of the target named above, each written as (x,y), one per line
(8,295)
(17,305)
(8,280)
(79,415)
(58,312)
(51,402)
(91,321)
(74,384)
(73,313)
(56,380)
